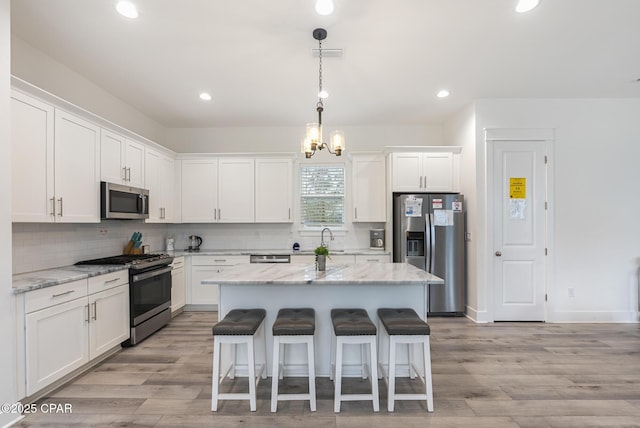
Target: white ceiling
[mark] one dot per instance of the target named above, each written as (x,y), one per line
(255,56)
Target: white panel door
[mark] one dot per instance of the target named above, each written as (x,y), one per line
(56,342)
(31,159)
(274,190)
(519,193)
(134,159)
(199,191)
(109,324)
(407,172)
(77,169)
(112,157)
(368,189)
(438,172)
(236,189)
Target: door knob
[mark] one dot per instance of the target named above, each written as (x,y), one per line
(498,253)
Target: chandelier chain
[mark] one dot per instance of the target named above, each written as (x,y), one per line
(320,73)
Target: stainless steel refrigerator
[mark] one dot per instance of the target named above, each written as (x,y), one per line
(428,232)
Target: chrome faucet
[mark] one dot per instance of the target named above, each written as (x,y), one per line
(322,243)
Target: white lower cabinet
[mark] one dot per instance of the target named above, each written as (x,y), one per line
(68,325)
(178,285)
(207,267)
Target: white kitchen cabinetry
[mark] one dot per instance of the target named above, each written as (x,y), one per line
(236,189)
(274,190)
(56,164)
(424,172)
(70,324)
(121,160)
(76,169)
(368,188)
(199,190)
(178,285)
(159,179)
(218,190)
(207,267)
(31,159)
(380,258)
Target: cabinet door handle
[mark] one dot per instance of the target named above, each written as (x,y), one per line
(356,213)
(289,213)
(88,314)
(95,311)
(421,182)
(215,214)
(129,174)
(124,173)
(53,206)
(219,214)
(63,294)
(60,212)
(112,280)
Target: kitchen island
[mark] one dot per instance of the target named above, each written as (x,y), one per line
(362,285)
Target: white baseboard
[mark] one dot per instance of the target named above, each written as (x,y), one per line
(594,317)
(479,317)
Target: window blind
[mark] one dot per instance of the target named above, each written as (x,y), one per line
(322,195)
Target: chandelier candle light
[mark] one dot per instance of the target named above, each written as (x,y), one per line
(313,137)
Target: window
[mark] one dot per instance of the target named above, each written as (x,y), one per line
(322,195)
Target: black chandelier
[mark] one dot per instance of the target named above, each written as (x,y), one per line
(313,136)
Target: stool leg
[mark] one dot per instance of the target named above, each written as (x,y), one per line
(234,353)
(427,374)
(312,374)
(332,357)
(215,379)
(374,374)
(392,373)
(275,366)
(363,360)
(338,377)
(412,371)
(251,361)
(264,354)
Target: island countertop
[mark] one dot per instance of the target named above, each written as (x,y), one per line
(369,273)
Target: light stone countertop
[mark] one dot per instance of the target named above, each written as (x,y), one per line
(25,282)
(292,274)
(209,252)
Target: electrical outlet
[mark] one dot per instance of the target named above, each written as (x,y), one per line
(103,231)
(467,236)
(572,292)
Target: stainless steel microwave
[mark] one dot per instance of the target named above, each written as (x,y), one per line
(123,202)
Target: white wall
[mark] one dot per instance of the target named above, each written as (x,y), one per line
(460,130)
(7,313)
(596,204)
(33,66)
(287,139)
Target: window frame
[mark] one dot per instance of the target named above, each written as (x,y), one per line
(334,226)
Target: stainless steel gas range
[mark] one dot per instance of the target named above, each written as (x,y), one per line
(149,291)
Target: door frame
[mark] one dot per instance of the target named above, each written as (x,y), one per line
(545,135)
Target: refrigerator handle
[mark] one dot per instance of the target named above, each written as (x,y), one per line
(432,242)
(427,242)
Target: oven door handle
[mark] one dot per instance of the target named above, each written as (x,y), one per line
(147,275)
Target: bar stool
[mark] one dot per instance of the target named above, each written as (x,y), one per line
(353,326)
(293,326)
(239,326)
(404,326)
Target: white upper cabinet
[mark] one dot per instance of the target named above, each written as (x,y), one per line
(425,172)
(199,190)
(121,160)
(368,188)
(56,164)
(159,179)
(31,159)
(77,169)
(274,190)
(236,189)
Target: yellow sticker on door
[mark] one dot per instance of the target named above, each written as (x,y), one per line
(517,188)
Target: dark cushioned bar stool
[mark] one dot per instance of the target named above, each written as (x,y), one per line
(404,326)
(239,326)
(293,326)
(353,326)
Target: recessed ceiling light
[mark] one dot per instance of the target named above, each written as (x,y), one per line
(205,96)
(127,9)
(324,7)
(443,93)
(526,5)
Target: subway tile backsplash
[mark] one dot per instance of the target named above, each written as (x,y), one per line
(38,246)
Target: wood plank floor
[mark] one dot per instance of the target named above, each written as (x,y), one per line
(485,375)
